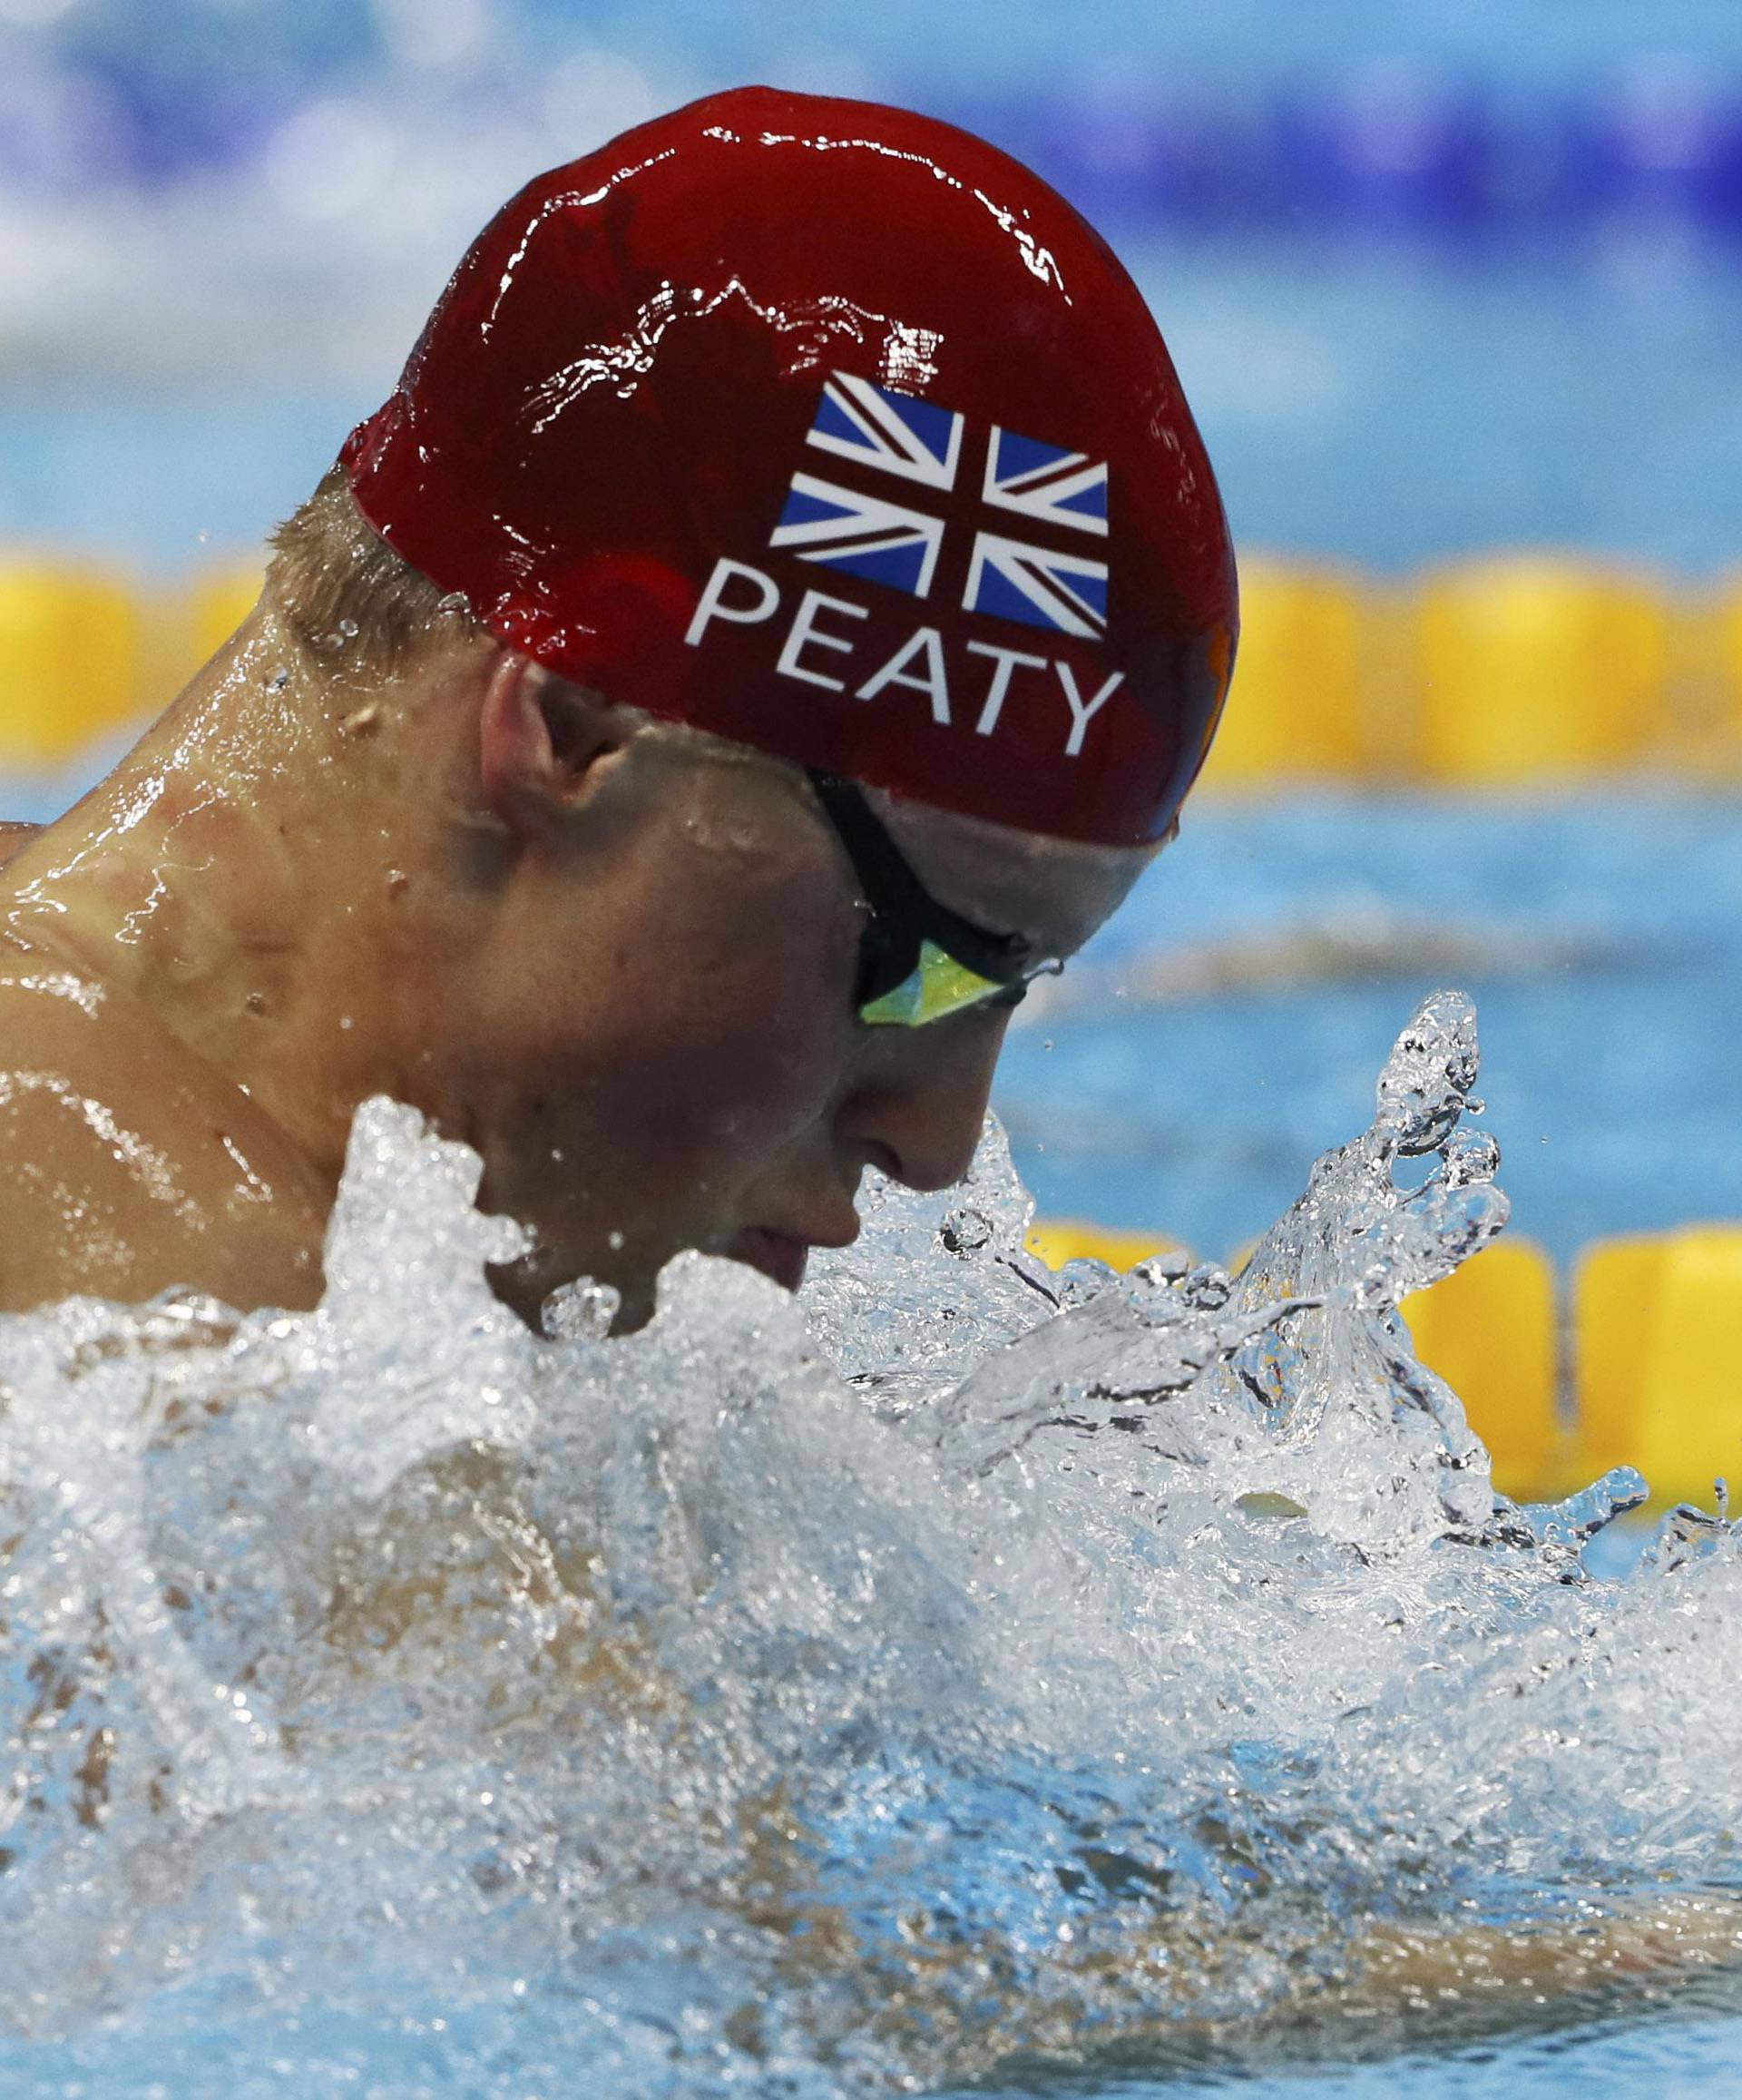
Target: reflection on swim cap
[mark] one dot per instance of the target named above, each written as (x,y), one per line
(829,429)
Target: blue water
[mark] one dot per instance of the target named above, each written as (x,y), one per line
(1612,1073)
(1393,404)
(422,2055)
(144,45)
(819,1740)
(1601,935)
(1685,2056)
(1668,2059)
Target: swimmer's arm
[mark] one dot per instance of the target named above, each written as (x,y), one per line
(1425,1986)
(129,1169)
(1624,1943)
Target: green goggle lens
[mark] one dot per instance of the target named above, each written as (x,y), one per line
(937,987)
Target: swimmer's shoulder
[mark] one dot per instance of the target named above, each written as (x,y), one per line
(129,1166)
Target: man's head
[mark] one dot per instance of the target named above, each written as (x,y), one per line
(794,508)
(625,955)
(833,430)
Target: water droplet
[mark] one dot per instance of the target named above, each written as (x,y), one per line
(581,1311)
(965,1231)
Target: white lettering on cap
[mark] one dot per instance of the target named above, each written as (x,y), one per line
(923,642)
(806,630)
(1005,662)
(1083,712)
(713,606)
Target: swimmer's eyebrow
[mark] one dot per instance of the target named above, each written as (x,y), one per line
(1055,906)
(979,907)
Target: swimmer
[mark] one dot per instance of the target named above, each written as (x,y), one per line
(777,614)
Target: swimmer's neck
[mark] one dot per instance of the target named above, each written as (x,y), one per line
(265,871)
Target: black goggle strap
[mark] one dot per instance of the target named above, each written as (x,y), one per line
(905,915)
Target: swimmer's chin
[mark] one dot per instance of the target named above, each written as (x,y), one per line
(776,1255)
(779,1256)
(524,1286)
(771,1254)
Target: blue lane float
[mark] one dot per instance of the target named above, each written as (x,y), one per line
(1390,147)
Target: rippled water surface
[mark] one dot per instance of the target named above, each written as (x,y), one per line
(1221,1031)
(970,1674)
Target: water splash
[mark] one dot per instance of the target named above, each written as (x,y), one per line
(967,1660)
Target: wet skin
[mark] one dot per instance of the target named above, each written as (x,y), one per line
(617,965)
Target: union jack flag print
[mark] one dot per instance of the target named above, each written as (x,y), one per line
(880,534)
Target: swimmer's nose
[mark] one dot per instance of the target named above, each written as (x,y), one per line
(917,1112)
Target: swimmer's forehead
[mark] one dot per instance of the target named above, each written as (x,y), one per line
(1055,891)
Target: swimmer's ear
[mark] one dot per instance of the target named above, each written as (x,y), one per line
(544,745)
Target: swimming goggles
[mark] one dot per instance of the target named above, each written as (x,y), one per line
(919,961)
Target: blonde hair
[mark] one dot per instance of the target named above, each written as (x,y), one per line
(354,606)
(354,603)
(350,599)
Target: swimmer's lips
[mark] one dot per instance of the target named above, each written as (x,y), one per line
(776,1254)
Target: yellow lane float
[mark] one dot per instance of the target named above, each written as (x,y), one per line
(1298,711)
(219,603)
(1503,673)
(1658,1322)
(1490,1331)
(73,659)
(1061,1239)
(1537,666)
(1516,671)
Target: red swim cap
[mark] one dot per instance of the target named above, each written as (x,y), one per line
(831,429)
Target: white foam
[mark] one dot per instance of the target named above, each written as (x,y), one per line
(959,1660)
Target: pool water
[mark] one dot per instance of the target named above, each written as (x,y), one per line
(964,1675)
(980,1683)
(1216,1034)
